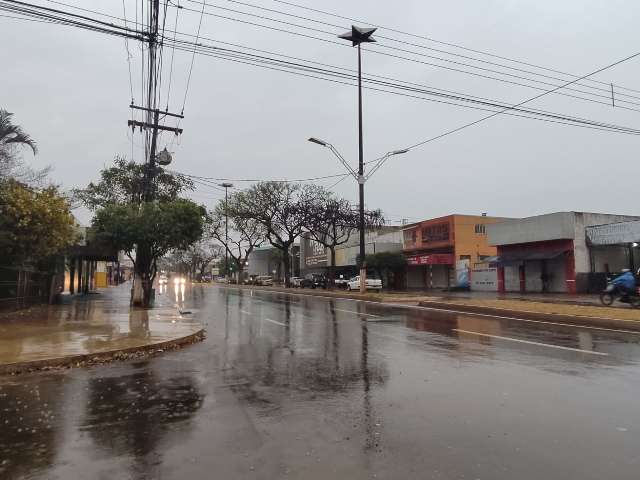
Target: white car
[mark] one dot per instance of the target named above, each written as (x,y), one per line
(372,284)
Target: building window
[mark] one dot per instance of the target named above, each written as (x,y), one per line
(465,257)
(435,233)
(410,236)
(480,229)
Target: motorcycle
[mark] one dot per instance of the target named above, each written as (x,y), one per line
(612,293)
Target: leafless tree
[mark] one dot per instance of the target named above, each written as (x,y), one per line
(282,209)
(245,233)
(332,221)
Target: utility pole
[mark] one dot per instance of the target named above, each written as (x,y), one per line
(226,186)
(142,287)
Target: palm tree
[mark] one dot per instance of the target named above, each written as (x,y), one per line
(12,135)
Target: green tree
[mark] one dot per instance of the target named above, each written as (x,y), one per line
(34,223)
(123,183)
(152,229)
(384,263)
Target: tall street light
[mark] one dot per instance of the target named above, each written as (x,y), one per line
(361,178)
(357,36)
(226,186)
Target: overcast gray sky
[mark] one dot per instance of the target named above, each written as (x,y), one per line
(70,90)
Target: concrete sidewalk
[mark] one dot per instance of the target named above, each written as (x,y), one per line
(91,325)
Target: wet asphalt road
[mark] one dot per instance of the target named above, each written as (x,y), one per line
(290,386)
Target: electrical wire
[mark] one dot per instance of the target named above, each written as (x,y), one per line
(440,42)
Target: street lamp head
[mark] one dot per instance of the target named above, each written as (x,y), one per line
(226,185)
(400,152)
(359,35)
(318,141)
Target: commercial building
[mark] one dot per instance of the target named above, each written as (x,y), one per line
(441,250)
(315,258)
(267,261)
(551,252)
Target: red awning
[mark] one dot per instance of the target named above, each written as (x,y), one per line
(432,259)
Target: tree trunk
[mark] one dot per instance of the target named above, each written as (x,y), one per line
(142,283)
(331,270)
(286,261)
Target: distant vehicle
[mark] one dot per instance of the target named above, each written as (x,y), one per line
(206,278)
(371,283)
(341,282)
(162,279)
(264,280)
(179,280)
(295,281)
(314,280)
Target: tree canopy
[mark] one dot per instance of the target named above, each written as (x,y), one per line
(34,223)
(124,183)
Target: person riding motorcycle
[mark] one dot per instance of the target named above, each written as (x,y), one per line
(626,282)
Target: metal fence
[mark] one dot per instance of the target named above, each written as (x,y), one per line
(22,288)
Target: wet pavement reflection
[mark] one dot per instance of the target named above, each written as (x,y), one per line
(292,386)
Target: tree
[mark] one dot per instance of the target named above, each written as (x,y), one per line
(12,138)
(200,255)
(384,263)
(123,183)
(332,221)
(283,210)
(152,229)
(245,233)
(34,223)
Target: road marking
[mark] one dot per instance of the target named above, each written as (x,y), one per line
(357,313)
(418,307)
(499,337)
(245,312)
(273,321)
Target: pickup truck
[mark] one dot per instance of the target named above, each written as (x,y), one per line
(372,284)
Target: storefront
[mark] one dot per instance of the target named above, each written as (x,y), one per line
(430,271)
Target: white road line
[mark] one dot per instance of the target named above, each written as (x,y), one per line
(245,312)
(418,307)
(273,321)
(357,313)
(531,343)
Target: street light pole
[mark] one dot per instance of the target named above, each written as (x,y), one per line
(363,263)
(357,36)
(226,225)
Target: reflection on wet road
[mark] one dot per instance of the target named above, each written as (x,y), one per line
(292,386)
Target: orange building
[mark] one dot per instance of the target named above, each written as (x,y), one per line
(435,248)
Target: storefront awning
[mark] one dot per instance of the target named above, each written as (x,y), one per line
(508,258)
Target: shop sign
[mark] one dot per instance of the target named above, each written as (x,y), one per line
(433,259)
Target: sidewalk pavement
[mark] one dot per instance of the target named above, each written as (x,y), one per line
(90,325)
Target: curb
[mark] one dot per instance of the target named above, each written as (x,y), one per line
(87,359)
(574,320)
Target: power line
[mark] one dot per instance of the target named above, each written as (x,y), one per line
(523,102)
(193,57)
(400,57)
(450,44)
(288,65)
(253,180)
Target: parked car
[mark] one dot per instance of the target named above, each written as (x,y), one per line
(371,283)
(341,283)
(314,280)
(264,280)
(295,281)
